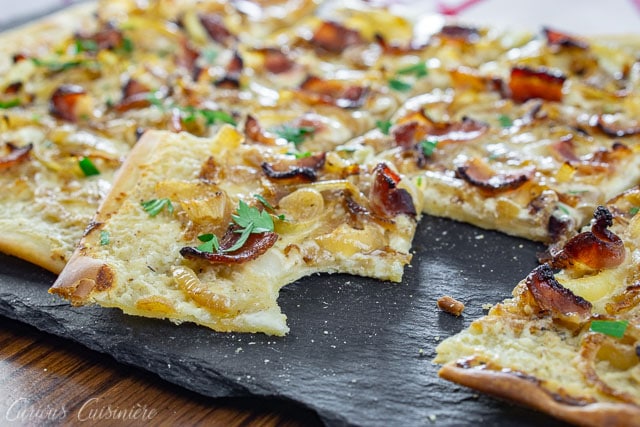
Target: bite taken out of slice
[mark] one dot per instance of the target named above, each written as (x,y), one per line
(209,230)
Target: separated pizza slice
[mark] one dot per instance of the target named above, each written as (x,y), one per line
(209,230)
(567,343)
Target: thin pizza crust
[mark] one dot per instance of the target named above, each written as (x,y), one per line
(141,269)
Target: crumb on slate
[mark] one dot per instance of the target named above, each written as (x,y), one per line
(450,305)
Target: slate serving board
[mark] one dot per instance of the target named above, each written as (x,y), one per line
(359,351)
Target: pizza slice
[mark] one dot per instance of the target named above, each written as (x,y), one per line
(515,147)
(209,230)
(568,342)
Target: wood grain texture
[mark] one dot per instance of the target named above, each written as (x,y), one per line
(45,380)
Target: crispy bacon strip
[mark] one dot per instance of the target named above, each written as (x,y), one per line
(417,126)
(527,83)
(64,100)
(478,173)
(16,155)
(302,170)
(107,38)
(334,37)
(387,200)
(614,127)
(276,61)
(215,27)
(187,56)
(256,245)
(334,92)
(135,95)
(561,39)
(551,296)
(597,249)
(255,132)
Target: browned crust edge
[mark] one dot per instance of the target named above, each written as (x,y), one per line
(528,393)
(84,275)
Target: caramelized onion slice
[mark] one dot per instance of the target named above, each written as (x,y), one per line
(561,39)
(276,61)
(334,92)
(257,244)
(301,170)
(15,156)
(617,126)
(526,83)
(334,37)
(386,198)
(64,101)
(397,49)
(596,249)
(135,95)
(551,296)
(479,174)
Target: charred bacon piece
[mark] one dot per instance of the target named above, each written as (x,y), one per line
(300,171)
(215,27)
(276,61)
(527,83)
(256,245)
(597,249)
(107,38)
(387,200)
(187,56)
(334,92)
(334,37)
(561,39)
(15,156)
(64,101)
(614,128)
(254,131)
(135,95)
(551,296)
(478,173)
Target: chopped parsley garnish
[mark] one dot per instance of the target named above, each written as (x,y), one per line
(418,70)
(613,328)
(505,121)
(56,66)
(428,146)
(384,126)
(268,205)
(564,209)
(10,104)
(105,239)
(299,155)
(399,85)
(85,46)
(154,206)
(210,243)
(634,210)
(87,167)
(127,45)
(210,55)
(212,116)
(294,134)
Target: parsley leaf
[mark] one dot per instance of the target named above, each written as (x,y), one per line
(85,46)
(613,328)
(634,210)
(210,243)
(154,206)
(418,70)
(428,146)
(56,66)
(87,167)
(249,217)
(384,126)
(10,104)
(294,134)
(505,121)
(105,239)
(399,85)
(261,199)
(212,116)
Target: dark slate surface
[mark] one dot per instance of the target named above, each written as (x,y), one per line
(359,351)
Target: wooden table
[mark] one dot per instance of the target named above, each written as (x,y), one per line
(46,380)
